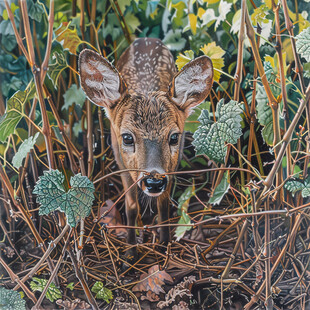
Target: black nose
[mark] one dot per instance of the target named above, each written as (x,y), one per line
(155,185)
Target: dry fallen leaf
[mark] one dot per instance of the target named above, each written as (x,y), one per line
(113,218)
(153,281)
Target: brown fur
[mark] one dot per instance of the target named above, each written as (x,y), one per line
(146,98)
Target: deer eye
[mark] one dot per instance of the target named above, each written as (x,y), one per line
(127,139)
(174,139)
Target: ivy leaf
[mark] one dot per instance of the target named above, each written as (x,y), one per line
(23,150)
(11,300)
(303,44)
(296,185)
(12,116)
(68,38)
(173,40)
(210,138)
(59,63)
(220,190)
(183,59)
(52,294)
(35,10)
(102,292)
(73,95)
(216,54)
(76,203)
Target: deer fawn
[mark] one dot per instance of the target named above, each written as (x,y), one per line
(147,102)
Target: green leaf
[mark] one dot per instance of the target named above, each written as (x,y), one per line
(181,230)
(52,294)
(303,44)
(76,203)
(73,95)
(23,150)
(295,185)
(173,40)
(102,292)
(220,190)
(12,116)
(59,63)
(70,286)
(11,300)
(35,10)
(210,138)
(132,21)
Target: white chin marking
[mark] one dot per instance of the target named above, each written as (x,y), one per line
(152,194)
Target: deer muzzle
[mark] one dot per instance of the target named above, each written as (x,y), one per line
(154,184)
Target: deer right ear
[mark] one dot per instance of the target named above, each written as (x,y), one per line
(100,80)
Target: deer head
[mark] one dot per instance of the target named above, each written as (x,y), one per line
(147,128)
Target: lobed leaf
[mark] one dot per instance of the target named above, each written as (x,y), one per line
(216,54)
(68,38)
(11,300)
(73,95)
(52,294)
(102,292)
(210,138)
(76,203)
(303,44)
(296,185)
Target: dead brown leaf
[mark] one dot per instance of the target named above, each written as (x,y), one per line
(153,281)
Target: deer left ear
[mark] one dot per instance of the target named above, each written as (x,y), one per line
(192,84)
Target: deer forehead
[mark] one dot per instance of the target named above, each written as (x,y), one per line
(152,117)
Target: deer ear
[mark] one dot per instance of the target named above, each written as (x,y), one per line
(99,79)
(192,84)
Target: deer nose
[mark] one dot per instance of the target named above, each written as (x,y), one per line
(155,185)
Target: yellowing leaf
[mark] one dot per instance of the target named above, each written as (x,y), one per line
(201,11)
(193,22)
(183,59)
(216,54)
(211,1)
(68,38)
(259,15)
